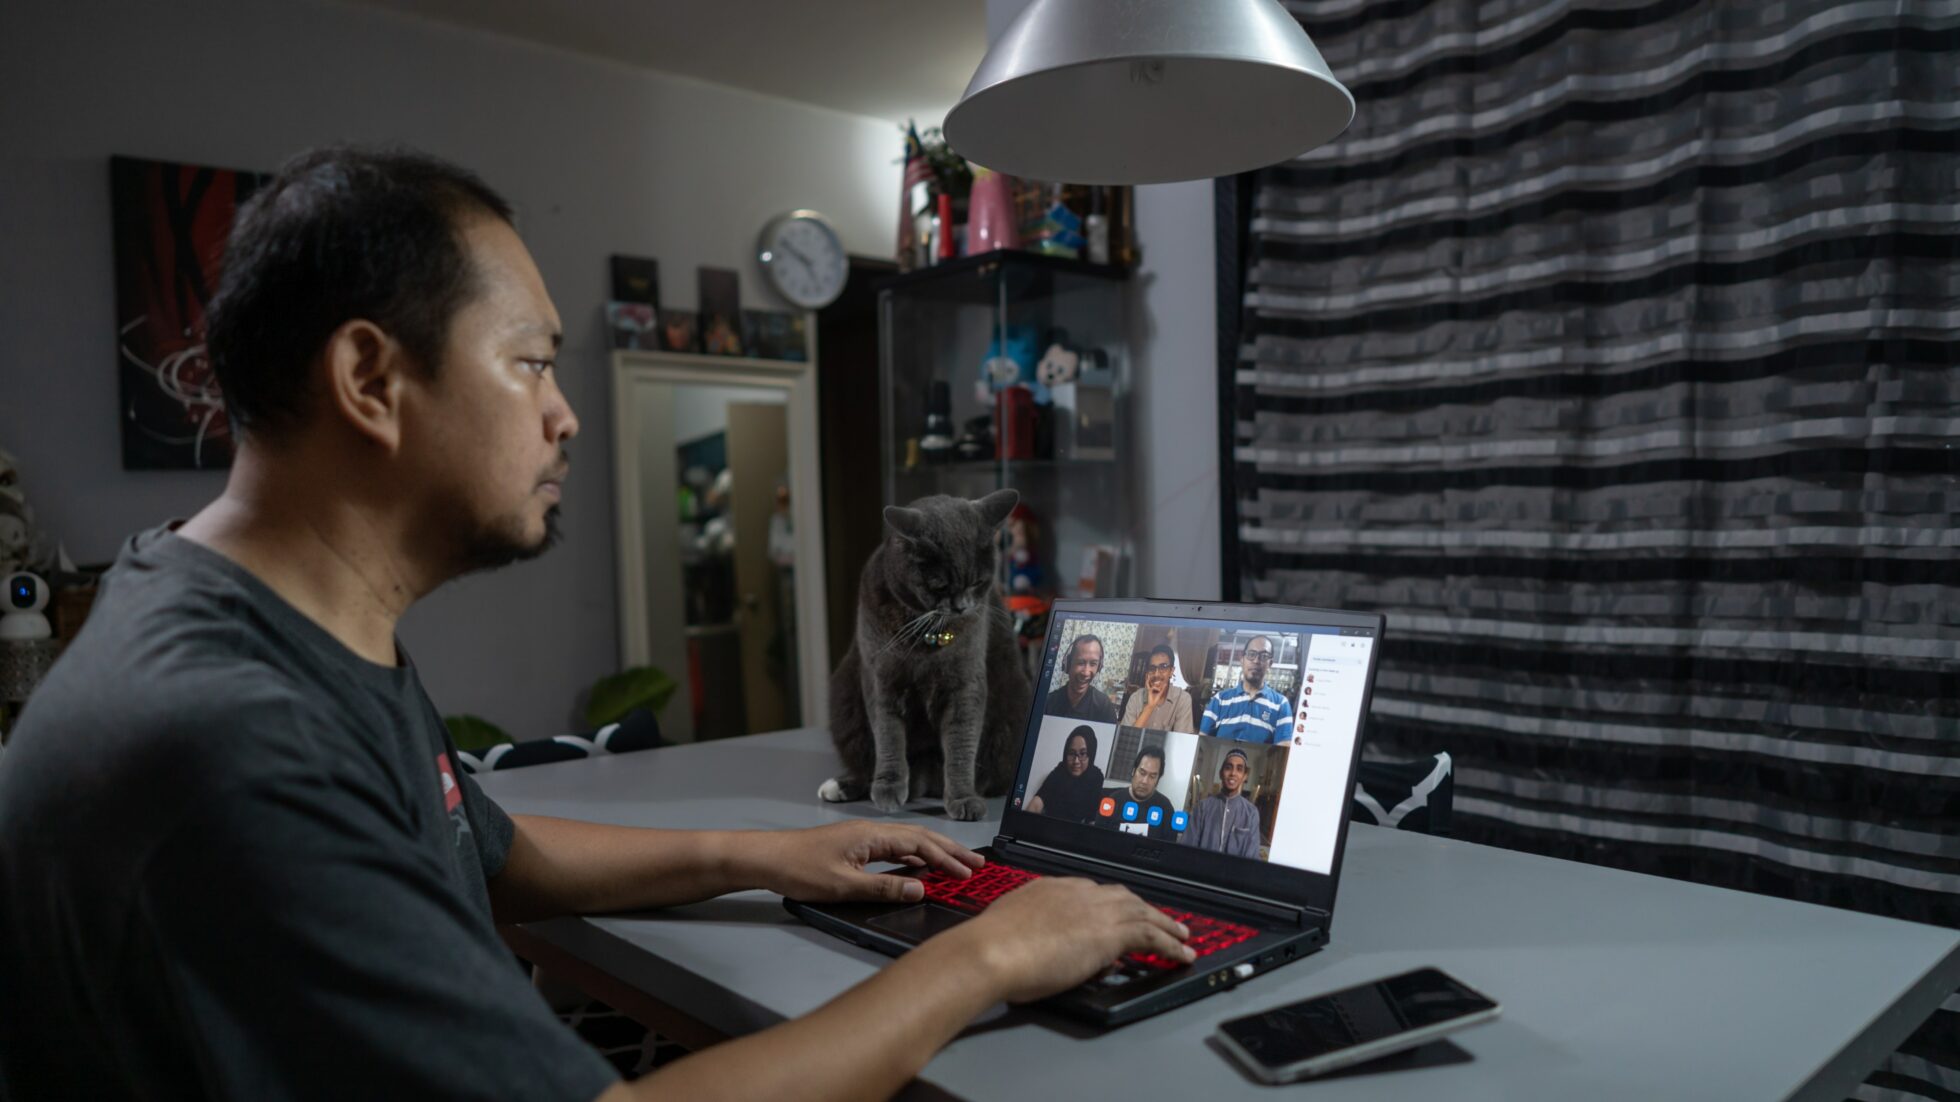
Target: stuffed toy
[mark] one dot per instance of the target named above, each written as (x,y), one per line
(1011,363)
(1058,366)
(1023,568)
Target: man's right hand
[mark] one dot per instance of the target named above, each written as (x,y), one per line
(1034,941)
(1059,931)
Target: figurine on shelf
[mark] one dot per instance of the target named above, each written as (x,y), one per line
(1058,366)
(1080,382)
(976,442)
(936,446)
(1023,565)
(1010,363)
(1064,363)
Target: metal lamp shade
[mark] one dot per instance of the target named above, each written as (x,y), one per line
(1147,92)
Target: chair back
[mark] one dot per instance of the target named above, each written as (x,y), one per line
(1405,795)
(640,730)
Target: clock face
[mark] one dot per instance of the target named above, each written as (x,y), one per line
(803,257)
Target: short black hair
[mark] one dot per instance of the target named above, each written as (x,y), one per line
(1165,650)
(1078,641)
(1149,752)
(339,233)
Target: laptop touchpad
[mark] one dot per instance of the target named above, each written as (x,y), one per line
(915,924)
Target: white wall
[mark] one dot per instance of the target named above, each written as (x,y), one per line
(598,158)
(1174,326)
(1173,312)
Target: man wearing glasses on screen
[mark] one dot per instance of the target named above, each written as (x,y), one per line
(1160,705)
(1254,711)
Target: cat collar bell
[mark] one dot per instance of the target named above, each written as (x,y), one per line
(939,639)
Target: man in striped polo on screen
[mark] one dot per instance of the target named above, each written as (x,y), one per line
(1253,711)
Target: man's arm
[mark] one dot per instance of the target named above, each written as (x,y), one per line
(872,1039)
(563,866)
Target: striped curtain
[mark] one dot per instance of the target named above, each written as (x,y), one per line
(1611,354)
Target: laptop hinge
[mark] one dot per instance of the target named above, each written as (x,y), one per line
(1285,913)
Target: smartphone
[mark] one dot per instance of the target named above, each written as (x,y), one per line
(1353,1025)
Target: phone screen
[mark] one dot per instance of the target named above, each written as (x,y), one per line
(1353,1016)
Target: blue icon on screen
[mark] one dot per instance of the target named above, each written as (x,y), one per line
(1156,816)
(1178,821)
(1130,811)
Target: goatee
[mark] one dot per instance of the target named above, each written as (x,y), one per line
(493,549)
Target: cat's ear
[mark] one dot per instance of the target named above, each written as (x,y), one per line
(995,506)
(909,523)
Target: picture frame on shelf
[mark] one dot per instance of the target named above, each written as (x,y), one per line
(636,279)
(721,311)
(633,325)
(776,335)
(679,331)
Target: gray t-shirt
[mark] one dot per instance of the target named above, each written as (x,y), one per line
(237,861)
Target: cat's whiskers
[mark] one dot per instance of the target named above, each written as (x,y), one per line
(915,626)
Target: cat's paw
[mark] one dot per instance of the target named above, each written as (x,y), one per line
(888,795)
(966,809)
(835,791)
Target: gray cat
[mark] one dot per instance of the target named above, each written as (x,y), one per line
(932,689)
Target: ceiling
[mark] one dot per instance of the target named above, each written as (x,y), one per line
(889,59)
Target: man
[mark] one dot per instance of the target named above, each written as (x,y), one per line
(1254,711)
(1078,698)
(236,859)
(1131,805)
(1160,705)
(1227,822)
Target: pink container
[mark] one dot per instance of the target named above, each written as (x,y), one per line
(990,214)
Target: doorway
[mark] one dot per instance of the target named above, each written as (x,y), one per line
(720,542)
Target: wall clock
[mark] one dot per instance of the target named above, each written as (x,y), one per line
(803,258)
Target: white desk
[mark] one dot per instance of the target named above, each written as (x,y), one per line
(1614,985)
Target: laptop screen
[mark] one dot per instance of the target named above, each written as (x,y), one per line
(1220,737)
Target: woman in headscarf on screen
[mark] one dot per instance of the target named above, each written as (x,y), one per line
(1073,787)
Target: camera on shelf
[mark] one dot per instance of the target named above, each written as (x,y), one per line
(27,595)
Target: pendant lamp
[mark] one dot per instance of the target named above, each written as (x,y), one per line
(1147,92)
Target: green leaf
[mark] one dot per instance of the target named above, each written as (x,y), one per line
(640,687)
(474,732)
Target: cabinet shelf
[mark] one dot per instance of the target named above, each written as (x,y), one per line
(977,279)
(963,466)
(936,327)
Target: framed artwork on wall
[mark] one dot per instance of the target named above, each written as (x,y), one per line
(170,222)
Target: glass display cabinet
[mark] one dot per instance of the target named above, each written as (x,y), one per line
(1012,369)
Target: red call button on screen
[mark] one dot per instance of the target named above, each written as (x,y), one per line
(1108,807)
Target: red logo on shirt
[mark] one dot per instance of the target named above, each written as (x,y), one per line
(451,793)
(1106,808)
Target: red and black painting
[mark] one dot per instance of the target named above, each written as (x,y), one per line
(171,223)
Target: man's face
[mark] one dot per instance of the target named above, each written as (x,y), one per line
(1258,659)
(484,438)
(1232,774)
(1085,665)
(1144,781)
(1076,755)
(1157,675)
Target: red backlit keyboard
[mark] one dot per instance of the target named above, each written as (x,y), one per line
(1208,935)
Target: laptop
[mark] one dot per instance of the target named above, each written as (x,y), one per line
(1223,799)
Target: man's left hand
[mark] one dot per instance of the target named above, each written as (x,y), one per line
(826,863)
